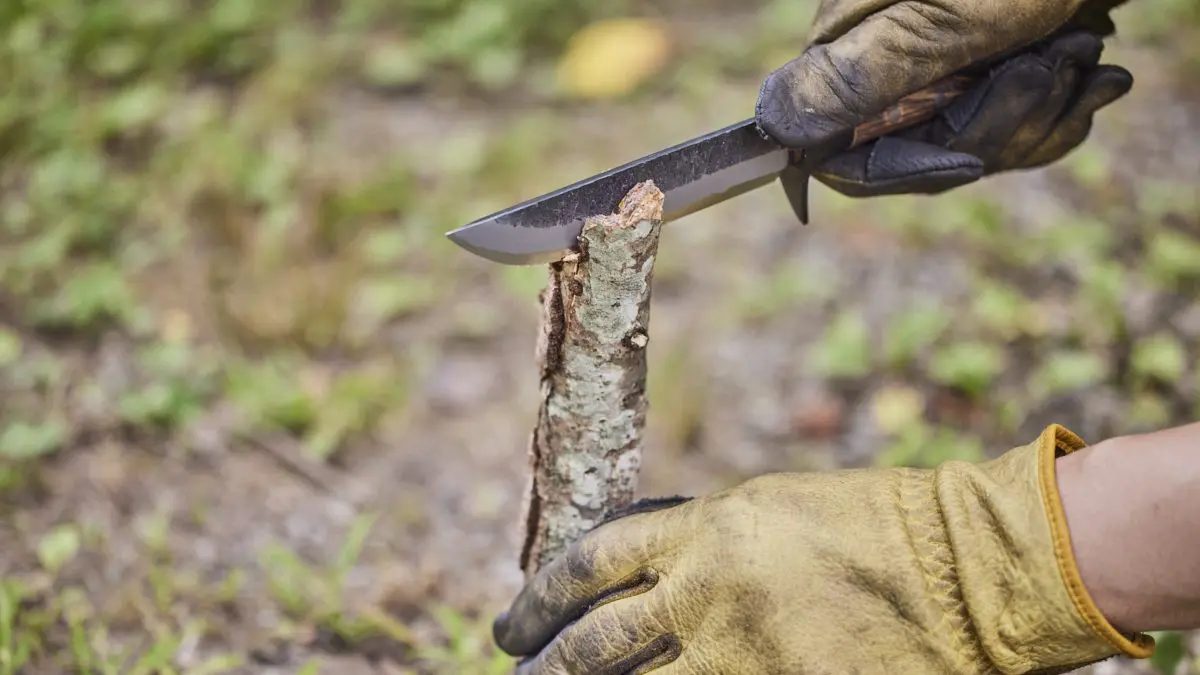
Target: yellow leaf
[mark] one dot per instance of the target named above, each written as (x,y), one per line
(609,59)
(896,407)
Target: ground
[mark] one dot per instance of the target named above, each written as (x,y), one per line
(261,417)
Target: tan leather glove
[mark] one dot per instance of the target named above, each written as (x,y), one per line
(865,55)
(963,569)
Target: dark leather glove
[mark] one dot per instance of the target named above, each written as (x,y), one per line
(1028,111)
(867,54)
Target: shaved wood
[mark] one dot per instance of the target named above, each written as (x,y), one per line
(586,448)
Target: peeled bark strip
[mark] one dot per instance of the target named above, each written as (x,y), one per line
(587,446)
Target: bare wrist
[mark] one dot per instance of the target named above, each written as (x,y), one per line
(1132,506)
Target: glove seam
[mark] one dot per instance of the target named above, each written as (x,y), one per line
(946,589)
(1056,439)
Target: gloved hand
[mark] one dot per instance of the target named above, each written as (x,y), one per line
(963,569)
(1029,110)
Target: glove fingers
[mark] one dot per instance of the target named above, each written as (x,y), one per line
(1067,57)
(897,166)
(985,124)
(1103,86)
(833,87)
(609,563)
(1044,118)
(1080,48)
(609,639)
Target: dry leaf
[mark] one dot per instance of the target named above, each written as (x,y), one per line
(609,59)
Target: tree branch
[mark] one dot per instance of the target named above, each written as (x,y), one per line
(586,448)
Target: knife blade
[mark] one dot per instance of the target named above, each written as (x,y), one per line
(693,175)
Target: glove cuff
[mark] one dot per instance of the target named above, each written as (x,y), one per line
(1058,441)
(1020,583)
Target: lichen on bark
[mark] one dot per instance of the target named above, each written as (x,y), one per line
(586,447)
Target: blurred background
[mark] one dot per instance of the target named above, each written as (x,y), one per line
(259,416)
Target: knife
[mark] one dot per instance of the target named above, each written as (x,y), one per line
(693,175)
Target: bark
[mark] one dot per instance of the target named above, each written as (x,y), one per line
(586,448)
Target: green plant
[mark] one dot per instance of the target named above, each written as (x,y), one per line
(10,347)
(274,394)
(467,647)
(270,395)
(353,404)
(220,663)
(314,593)
(1003,310)
(1102,286)
(921,445)
(970,367)
(180,382)
(490,39)
(378,301)
(1169,652)
(785,288)
(16,645)
(1160,357)
(93,295)
(57,547)
(1173,258)
(27,440)
(1147,411)
(845,350)
(912,332)
(1083,237)
(1069,371)
(160,657)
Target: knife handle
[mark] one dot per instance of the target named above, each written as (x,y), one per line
(913,109)
(908,111)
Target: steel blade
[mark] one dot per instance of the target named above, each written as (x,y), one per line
(693,175)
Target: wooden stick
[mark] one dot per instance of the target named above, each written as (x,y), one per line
(586,448)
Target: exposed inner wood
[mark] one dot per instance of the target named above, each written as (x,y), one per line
(586,447)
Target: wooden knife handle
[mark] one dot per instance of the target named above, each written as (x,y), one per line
(913,109)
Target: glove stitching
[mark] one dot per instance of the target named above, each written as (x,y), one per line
(926,530)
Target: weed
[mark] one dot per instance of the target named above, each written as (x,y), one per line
(1067,371)
(16,644)
(970,367)
(315,594)
(845,350)
(920,445)
(1160,358)
(180,382)
(268,394)
(467,648)
(30,440)
(787,287)
(912,332)
(10,347)
(57,547)
(1169,652)
(1173,258)
(1003,310)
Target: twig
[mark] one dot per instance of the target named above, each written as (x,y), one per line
(586,448)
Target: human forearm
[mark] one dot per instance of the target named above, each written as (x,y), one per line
(1133,509)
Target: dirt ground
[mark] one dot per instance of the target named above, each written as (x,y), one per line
(218,548)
